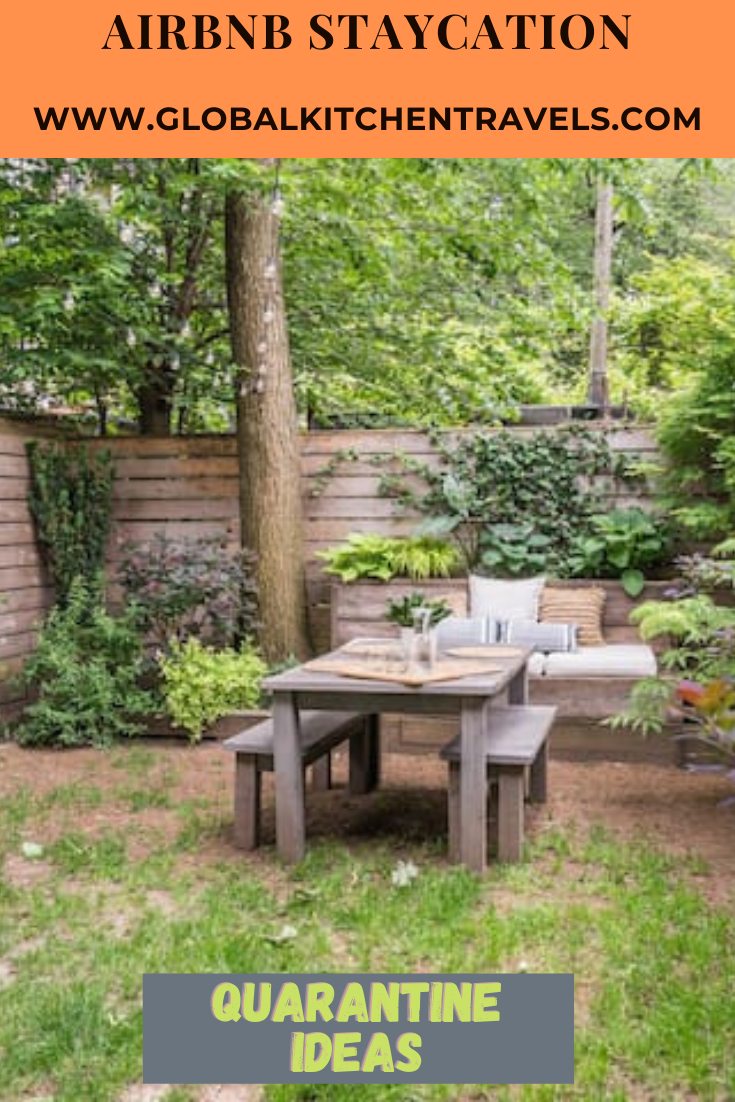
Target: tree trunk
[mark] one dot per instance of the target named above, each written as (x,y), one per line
(267,427)
(598,390)
(155,402)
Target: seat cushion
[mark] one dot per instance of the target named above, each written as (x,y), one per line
(537,664)
(615,660)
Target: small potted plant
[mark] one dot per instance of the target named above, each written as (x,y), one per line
(416,617)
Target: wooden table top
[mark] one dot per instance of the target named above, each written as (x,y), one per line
(302,679)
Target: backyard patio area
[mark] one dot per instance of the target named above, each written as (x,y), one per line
(427,465)
(123,863)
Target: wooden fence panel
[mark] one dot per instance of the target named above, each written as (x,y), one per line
(187,487)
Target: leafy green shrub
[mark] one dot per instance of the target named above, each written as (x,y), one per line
(191,588)
(513,550)
(401,611)
(699,636)
(201,684)
(538,484)
(622,543)
(71,502)
(697,436)
(385,557)
(85,672)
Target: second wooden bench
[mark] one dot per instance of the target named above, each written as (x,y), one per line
(320,732)
(516,740)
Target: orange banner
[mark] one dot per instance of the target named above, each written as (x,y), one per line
(300,79)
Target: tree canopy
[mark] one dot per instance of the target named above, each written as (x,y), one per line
(419,290)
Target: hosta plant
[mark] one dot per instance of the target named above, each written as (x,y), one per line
(365,556)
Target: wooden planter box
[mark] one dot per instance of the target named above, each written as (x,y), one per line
(224,728)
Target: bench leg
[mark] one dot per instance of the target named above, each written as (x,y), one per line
(537,785)
(510,813)
(365,757)
(453,798)
(321,773)
(247,802)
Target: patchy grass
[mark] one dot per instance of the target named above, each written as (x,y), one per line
(137,874)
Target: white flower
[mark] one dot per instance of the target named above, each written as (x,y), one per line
(404,873)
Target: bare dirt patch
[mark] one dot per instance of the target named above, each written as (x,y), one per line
(230,1093)
(677,812)
(25,872)
(145,1092)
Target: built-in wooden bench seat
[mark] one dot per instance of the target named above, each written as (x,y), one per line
(516,740)
(320,733)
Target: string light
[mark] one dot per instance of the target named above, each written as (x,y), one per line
(277,205)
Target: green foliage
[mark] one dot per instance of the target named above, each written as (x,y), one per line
(401,611)
(385,557)
(513,550)
(699,636)
(191,587)
(622,543)
(84,675)
(71,502)
(111,284)
(648,707)
(513,503)
(200,684)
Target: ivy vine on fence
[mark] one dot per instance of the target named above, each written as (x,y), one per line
(514,503)
(71,502)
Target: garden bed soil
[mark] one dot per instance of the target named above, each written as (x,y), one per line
(680,813)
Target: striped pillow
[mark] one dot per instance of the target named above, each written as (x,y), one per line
(582,607)
(459,631)
(547,637)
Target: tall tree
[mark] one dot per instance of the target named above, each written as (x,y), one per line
(109,288)
(267,427)
(598,389)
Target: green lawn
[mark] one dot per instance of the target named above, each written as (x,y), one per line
(81,921)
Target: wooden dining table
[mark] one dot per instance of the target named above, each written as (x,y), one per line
(315,686)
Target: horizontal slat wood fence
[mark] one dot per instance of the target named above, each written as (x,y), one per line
(25,594)
(186,487)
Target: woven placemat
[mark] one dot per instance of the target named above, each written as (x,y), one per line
(445,670)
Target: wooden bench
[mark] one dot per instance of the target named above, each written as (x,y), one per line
(516,740)
(320,733)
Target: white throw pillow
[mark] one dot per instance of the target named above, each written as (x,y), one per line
(502,600)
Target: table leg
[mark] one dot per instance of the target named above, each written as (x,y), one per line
(321,773)
(473,786)
(365,757)
(518,688)
(289,778)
